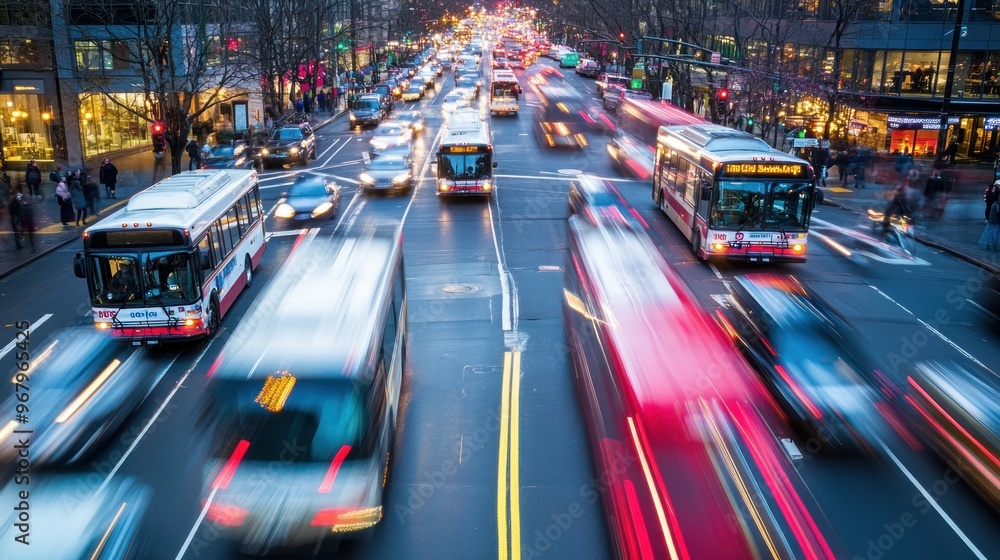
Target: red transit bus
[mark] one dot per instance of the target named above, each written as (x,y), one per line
(633,147)
(679,425)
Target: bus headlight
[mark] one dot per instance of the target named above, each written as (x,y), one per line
(798,248)
(284,211)
(443,186)
(487,186)
(719,247)
(322,209)
(366,178)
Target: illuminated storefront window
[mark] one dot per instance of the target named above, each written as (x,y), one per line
(109,122)
(26,123)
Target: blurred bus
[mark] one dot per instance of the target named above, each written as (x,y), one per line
(732,195)
(169,265)
(561,119)
(633,147)
(465,157)
(505,92)
(678,422)
(310,380)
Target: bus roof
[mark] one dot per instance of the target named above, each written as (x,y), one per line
(466,119)
(322,315)
(721,144)
(189,200)
(475,136)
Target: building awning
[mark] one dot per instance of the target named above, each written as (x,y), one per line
(932,105)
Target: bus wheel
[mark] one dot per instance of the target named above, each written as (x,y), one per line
(213,317)
(248,270)
(696,245)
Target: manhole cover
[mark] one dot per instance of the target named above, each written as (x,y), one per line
(459,289)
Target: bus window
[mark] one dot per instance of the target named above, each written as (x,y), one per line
(220,242)
(205,246)
(231,222)
(242,214)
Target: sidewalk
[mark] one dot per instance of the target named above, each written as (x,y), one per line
(956,232)
(136,171)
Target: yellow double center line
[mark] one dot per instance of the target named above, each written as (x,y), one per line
(508,483)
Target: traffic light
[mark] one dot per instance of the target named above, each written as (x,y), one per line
(621,37)
(159,137)
(722,94)
(749,120)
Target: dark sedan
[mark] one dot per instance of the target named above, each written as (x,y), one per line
(290,144)
(82,390)
(805,354)
(310,197)
(387,173)
(237,156)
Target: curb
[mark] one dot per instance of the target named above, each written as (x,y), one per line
(930,242)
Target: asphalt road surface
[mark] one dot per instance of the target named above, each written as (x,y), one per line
(484,279)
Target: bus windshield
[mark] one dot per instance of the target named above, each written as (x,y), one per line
(465,167)
(756,205)
(141,280)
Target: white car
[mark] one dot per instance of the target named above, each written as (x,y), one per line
(391,135)
(466,93)
(452,101)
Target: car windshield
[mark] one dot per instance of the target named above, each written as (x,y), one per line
(287,134)
(223,151)
(144,279)
(314,421)
(313,187)
(387,163)
(415,89)
(393,130)
(366,104)
(751,205)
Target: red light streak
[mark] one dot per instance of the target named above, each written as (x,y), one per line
(798,392)
(227,472)
(950,419)
(331,473)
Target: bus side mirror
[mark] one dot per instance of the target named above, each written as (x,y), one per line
(78,268)
(204,262)
(496,163)
(706,193)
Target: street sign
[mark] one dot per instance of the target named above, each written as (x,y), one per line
(716,58)
(805,142)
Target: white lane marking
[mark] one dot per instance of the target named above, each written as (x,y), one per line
(197,524)
(330,147)
(930,499)
(935,331)
(719,275)
(424,169)
(155,415)
(10,345)
(508,292)
(983,309)
(284,233)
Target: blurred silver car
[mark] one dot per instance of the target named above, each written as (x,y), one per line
(386,174)
(310,197)
(413,120)
(391,136)
(74,517)
(84,385)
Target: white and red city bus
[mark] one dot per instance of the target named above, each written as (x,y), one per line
(169,265)
(465,157)
(680,426)
(732,195)
(633,146)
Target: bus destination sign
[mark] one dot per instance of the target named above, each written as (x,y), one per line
(776,170)
(465,149)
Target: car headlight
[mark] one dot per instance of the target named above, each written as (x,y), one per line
(353,117)
(284,211)
(321,209)
(293,150)
(264,152)
(366,178)
(401,178)
(379,145)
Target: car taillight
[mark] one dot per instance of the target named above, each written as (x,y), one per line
(227,515)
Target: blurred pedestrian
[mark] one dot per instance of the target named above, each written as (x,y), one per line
(991,235)
(28,227)
(92,193)
(858,171)
(14,208)
(79,199)
(991,195)
(194,154)
(109,177)
(321,102)
(65,200)
(912,186)
(903,165)
(932,190)
(56,175)
(842,161)
(33,177)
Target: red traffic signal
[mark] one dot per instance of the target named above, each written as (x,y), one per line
(621,37)
(722,94)
(157,128)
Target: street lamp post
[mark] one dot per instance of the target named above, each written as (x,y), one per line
(956,35)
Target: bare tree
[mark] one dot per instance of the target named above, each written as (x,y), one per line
(179,50)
